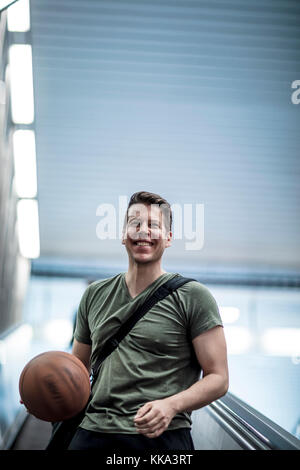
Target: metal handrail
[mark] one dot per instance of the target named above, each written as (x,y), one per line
(251,429)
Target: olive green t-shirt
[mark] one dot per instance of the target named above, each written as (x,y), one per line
(155,360)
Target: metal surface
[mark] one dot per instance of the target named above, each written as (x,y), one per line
(190,99)
(249,427)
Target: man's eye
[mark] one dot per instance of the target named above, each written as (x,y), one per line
(134,223)
(154,225)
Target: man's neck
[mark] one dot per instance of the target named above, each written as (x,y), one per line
(139,277)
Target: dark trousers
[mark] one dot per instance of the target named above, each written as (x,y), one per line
(178,439)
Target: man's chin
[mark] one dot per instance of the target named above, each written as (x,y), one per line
(143,259)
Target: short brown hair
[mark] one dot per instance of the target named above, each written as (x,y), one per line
(144,197)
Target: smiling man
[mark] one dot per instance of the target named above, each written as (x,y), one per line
(147,388)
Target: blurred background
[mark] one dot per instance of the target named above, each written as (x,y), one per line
(194,100)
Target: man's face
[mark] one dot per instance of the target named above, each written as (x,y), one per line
(146,236)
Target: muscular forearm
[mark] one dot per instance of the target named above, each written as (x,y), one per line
(154,417)
(201,393)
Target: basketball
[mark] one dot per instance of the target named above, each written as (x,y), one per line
(54,386)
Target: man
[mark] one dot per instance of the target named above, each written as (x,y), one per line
(148,386)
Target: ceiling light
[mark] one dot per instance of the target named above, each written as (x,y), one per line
(5,3)
(229,314)
(28,228)
(18,16)
(21,83)
(281,341)
(238,339)
(17,341)
(58,332)
(25,163)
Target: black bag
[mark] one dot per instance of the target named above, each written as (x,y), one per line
(63,431)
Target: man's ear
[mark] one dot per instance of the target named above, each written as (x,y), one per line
(124,231)
(169,239)
(123,236)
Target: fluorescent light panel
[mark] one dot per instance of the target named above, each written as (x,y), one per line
(229,314)
(21,83)
(58,332)
(281,341)
(28,228)
(17,341)
(238,339)
(18,16)
(4,3)
(25,163)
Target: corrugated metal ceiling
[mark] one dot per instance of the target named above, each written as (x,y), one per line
(189,99)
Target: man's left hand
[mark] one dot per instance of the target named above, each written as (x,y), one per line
(153,418)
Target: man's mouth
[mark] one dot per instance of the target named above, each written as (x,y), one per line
(143,243)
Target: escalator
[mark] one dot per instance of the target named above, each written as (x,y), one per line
(231,424)
(227,424)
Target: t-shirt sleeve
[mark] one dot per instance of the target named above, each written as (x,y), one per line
(82,331)
(202,310)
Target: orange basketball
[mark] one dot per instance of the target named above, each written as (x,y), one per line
(54,386)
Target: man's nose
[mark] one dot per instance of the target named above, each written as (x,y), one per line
(144,227)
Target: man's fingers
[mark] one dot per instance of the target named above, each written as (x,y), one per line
(143,410)
(146,419)
(153,418)
(155,433)
(149,432)
(148,424)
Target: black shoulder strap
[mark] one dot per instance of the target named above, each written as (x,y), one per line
(163,291)
(64,430)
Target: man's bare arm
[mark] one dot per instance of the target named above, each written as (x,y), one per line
(83,352)
(154,417)
(210,349)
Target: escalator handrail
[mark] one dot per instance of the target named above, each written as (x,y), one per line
(264,433)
